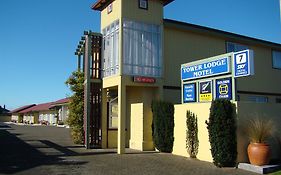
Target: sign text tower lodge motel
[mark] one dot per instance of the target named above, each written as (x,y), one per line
(137,57)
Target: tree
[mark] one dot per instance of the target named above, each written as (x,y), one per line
(192,142)
(76,107)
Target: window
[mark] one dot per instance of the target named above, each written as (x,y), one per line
(110,63)
(278,100)
(235,47)
(276,59)
(143,4)
(113,113)
(258,99)
(109,8)
(142,49)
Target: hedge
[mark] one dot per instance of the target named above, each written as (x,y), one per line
(163,125)
(222,133)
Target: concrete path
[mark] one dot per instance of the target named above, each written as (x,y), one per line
(49,150)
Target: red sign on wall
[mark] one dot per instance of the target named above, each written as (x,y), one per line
(139,79)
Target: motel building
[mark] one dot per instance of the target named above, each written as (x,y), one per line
(51,113)
(138,56)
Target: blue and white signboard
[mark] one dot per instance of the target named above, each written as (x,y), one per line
(205,69)
(243,63)
(189,92)
(224,88)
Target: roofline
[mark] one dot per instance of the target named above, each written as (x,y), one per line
(59,104)
(32,110)
(18,110)
(216,32)
(101,4)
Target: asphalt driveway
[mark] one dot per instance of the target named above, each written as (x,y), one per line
(49,150)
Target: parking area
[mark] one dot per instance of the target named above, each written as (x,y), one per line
(49,150)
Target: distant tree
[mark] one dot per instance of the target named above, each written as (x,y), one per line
(76,107)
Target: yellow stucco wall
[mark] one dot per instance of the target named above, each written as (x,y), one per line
(4,118)
(202,112)
(140,99)
(130,9)
(182,47)
(265,78)
(246,111)
(107,19)
(112,138)
(136,126)
(36,118)
(154,14)
(112,81)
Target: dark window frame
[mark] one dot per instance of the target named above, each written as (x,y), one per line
(144,8)
(109,116)
(274,50)
(258,99)
(233,42)
(109,8)
(277,100)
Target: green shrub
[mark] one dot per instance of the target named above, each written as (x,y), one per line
(192,142)
(76,107)
(163,125)
(222,133)
(77,135)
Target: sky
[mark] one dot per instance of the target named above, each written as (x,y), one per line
(38,38)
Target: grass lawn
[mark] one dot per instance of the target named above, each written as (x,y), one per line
(276,173)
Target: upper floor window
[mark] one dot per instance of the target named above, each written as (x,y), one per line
(109,8)
(235,47)
(276,59)
(142,49)
(110,61)
(143,4)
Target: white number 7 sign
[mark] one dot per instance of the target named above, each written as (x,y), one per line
(241,58)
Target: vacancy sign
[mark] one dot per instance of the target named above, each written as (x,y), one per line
(243,63)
